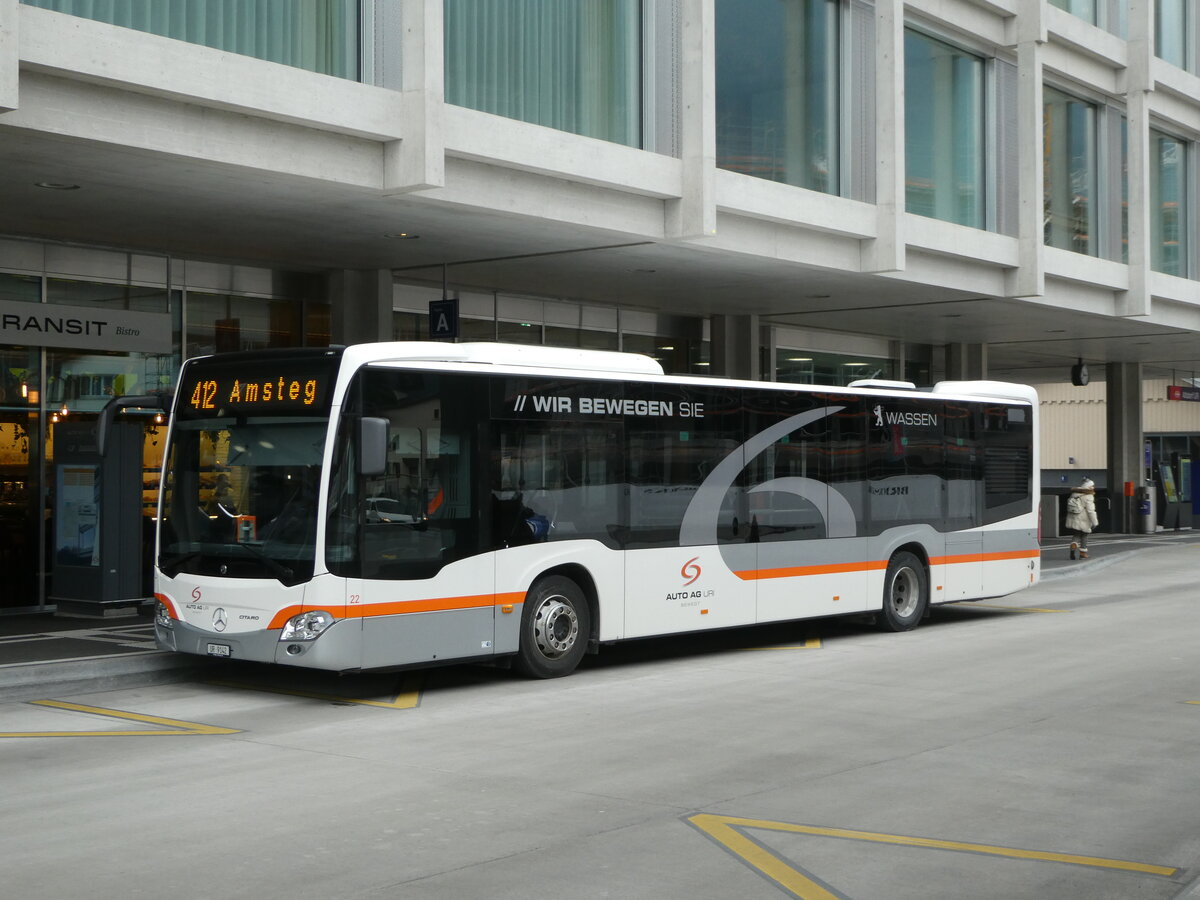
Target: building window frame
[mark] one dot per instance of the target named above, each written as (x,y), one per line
(1183,262)
(1109,183)
(794,160)
(986,164)
(1183,24)
(552,112)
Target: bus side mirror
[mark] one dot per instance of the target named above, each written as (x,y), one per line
(373,437)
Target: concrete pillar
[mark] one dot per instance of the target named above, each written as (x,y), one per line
(1139,85)
(418,160)
(736,347)
(886,251)
(1029,278)
(1124,414)
(966,362)
(361,305)
(694,214)
(10,58)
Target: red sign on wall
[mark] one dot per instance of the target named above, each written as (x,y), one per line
(1179,392)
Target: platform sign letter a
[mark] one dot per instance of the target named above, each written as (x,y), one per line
(443,319)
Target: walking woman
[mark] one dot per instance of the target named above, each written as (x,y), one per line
(1081,515)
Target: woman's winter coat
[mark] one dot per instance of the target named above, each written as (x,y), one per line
(1081,510)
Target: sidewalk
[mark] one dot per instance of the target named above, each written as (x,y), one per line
(43,654)
(1104,550)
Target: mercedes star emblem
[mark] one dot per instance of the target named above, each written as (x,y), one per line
(220,619)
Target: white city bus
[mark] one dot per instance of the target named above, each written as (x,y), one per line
(410,504)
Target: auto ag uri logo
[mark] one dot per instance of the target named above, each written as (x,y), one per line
(220,619)
(690,571)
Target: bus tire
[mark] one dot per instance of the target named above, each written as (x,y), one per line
(555,627)
(905,594)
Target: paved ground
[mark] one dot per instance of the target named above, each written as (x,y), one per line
(1043,746)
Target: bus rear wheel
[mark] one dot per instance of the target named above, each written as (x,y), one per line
(905,594)
(555,627)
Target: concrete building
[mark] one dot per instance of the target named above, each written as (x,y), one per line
(782,189)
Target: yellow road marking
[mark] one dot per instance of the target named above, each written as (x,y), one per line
(408,697)
(967,603)
(171,726)
(809,644)
(727,831)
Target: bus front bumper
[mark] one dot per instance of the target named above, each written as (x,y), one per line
(338,649)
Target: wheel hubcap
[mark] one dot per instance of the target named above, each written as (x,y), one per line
(555,627)
(905,593)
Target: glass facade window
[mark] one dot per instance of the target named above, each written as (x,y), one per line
(519,332)
(110,296)
(22,518)
(409,326)
(778,108)
(811,367)
(1168,205)
(944,131)
(1084,9)
(583,338)
(677,356)
(27,288)
(318,35)
(1069,173)
(574,65)
(223,323)
(1171,23)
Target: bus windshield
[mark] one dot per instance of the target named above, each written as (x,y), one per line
(240,497)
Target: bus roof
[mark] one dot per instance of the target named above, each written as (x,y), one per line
(483,353)
(610,364)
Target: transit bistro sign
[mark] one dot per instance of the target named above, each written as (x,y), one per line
(84,327)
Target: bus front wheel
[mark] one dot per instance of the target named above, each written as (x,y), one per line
(555,626)
(905,594)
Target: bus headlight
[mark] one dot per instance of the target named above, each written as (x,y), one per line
(307,626)
(162,615)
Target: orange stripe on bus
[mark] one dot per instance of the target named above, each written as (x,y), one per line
(399,607)
(877,564)
(795,571)
(985,557)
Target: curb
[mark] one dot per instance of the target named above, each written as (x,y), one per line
(1086,567)
(23,681)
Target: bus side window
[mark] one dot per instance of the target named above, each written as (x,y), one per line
(554,483)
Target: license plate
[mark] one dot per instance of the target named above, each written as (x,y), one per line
(219,650)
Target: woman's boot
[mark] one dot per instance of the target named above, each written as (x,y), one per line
(1074,549)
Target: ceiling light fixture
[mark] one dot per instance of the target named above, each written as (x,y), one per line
(56,185)
(402,236)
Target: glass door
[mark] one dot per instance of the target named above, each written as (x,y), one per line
(22,521)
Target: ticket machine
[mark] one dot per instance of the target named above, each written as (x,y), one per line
(101,541)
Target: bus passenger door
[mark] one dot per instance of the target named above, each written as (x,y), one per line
(962,573)
(427,589)
(690,560)
(806,499)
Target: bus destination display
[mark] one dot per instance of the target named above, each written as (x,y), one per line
(288,386)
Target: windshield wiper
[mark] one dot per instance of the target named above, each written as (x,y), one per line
(175,566)
(279,570)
